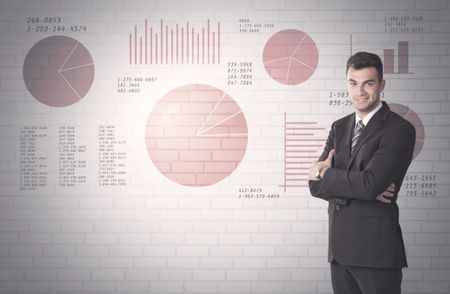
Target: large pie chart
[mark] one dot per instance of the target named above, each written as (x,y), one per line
(196,135)
(411,116)
(290,57)
(58,71)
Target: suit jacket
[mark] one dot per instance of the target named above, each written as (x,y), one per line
(362,230)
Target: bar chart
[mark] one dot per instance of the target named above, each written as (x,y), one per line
(179,44)
(402,59)
(303,141)
(389,54)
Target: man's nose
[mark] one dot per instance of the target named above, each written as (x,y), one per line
(360,90)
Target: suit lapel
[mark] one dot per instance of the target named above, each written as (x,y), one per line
(374,124)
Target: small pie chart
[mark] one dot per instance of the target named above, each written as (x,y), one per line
(58,71)
(411,116)
(196,135)
(290,57)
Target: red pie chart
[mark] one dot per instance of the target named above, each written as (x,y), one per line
(196,135)
(58,71)
(290,57)
(411,116)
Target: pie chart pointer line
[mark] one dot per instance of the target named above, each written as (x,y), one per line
(276,60)
(298,45)
(302,63)
(75,67)
(68,56)
(76,93)
(202,131)
(288,70)
(212,111)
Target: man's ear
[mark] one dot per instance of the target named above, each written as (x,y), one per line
(382,85)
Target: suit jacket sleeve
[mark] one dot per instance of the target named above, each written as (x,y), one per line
(387,164)
(314,186)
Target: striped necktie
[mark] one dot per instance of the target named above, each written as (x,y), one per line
(358,131)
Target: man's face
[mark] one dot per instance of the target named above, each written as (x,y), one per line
(364,88)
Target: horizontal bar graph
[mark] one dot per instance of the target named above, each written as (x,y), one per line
(180,44)
(302,147)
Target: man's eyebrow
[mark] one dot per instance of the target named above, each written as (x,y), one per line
(364,82)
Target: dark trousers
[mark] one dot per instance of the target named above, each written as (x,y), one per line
(361,280)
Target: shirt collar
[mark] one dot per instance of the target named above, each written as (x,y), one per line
(367,118)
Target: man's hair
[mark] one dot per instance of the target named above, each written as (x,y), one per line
(362,60)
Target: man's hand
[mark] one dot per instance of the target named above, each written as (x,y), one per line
(389,193)
(320,165)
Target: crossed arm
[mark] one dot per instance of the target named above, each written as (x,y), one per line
(324,165)
(376,181)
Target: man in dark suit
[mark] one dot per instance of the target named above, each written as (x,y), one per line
(360,173)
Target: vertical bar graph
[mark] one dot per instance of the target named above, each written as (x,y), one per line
(302,147)
(179,44)
(389,58)
(402,59)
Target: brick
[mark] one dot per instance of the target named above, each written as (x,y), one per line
(66,286)
(116,262)
(234,287)
(242,275)
(216,262)
(133,286)
(142,275)
(166,287)
(33,287)
(109,274)
(100,286)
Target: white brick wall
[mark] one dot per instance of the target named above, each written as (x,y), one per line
(156,236)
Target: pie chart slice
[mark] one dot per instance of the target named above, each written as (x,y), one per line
(290,57)
(411,116)
(58,71)
(196,135)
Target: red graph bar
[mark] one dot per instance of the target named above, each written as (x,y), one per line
(182,45)
(135,44)
(351,45)
(213,48)
(140,50)
(187,42)
(218,42)
(389,61)
(162,54)
(145,41)
(131,59)
(403,57)
(151,45)
(198,48)
(171,46)
(192,43)
(177,44)
(156,48)
(203,45)
(285,149)
(167,44)
(208,41)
